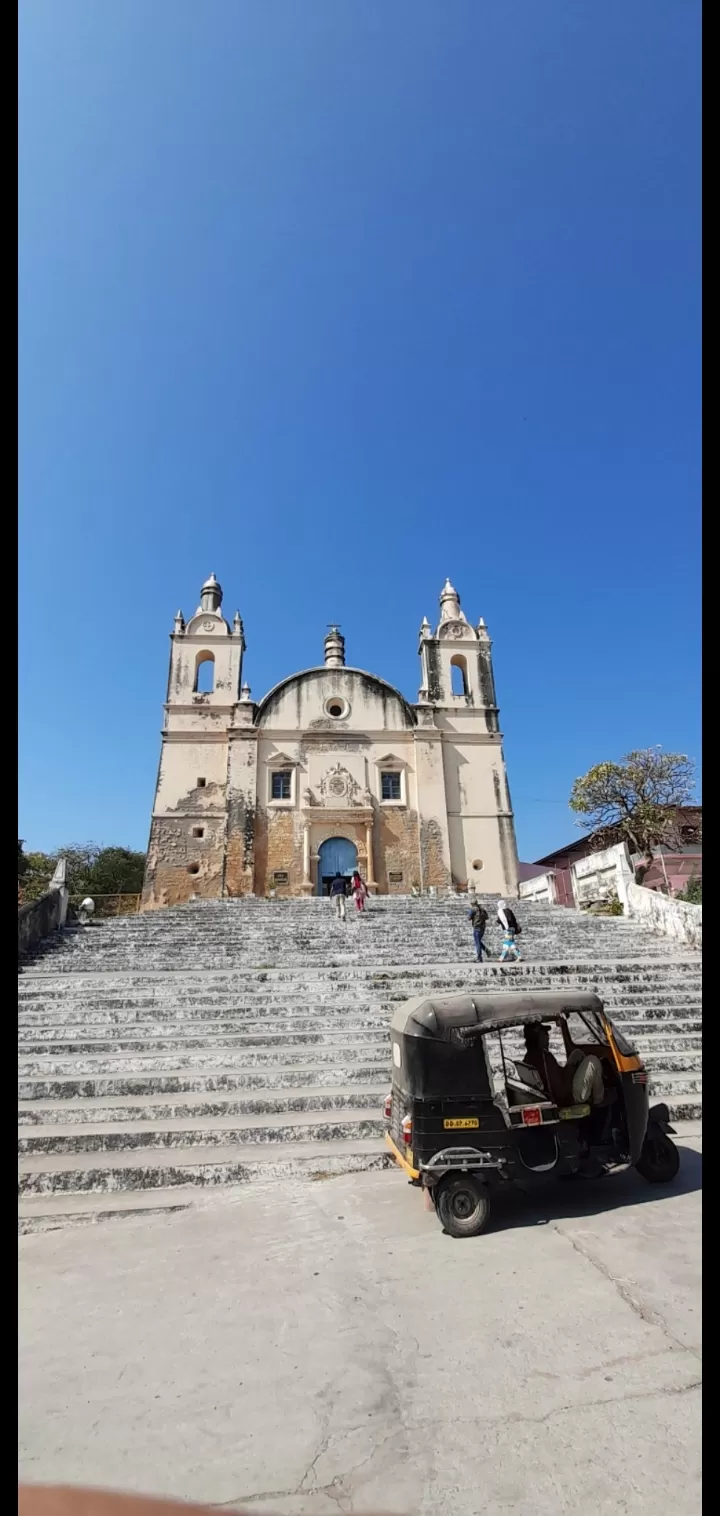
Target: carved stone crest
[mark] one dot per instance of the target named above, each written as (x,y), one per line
(456,629)
(338,787)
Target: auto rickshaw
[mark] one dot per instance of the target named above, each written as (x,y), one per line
(466,1114)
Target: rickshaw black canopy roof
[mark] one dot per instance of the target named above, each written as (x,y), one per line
(434,1017)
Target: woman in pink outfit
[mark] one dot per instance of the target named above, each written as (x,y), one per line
(359,891)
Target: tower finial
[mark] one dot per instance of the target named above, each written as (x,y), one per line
(211,595)
(449,603)
(334,647)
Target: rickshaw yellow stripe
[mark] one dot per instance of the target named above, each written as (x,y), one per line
(399,1158)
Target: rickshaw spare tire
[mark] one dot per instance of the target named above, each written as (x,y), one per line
(659,1160)
(463,1205)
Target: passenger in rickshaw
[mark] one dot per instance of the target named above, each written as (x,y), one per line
(579,1083)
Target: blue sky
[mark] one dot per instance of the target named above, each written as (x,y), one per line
(336,298)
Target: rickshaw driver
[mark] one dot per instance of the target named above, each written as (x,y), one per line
(579,1083)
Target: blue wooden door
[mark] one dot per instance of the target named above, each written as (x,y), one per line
(336,856)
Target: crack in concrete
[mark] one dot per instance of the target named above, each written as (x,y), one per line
(515,1417)
(330,1491)
(646,1314)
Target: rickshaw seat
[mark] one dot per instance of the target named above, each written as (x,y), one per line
(523,1085)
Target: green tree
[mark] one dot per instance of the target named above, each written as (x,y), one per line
(38,873)
(117,871)
(692,892)
(22,860)
(91,870)
(636,800)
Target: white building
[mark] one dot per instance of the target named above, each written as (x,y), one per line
(332,769)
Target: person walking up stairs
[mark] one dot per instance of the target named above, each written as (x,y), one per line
(338,890)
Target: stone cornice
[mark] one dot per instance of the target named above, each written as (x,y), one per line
(207,815)
(199,705)
(191,736)
(335,733)
(335,817)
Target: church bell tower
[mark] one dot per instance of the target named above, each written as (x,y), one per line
(456,661)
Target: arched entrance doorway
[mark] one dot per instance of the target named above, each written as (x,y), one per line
(335,856)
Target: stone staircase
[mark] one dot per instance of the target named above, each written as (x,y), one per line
(230,1040)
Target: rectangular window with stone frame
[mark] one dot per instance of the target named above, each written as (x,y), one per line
(281,785)
(391,785)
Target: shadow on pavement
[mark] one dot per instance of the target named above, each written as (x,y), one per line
(561,1201)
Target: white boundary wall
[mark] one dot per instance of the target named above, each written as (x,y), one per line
(541,889)
(602,875)
(660,913)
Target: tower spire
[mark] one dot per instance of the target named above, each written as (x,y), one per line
(334,648)
(211,595)
(450,603)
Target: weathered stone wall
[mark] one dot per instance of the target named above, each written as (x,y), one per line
(241,792)
(397,851)
(40,918)
(434,840)
(435,871)
(278,848)
(180,865)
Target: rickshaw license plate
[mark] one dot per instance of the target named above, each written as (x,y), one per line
(461,1124)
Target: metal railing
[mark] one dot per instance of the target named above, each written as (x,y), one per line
(107,905)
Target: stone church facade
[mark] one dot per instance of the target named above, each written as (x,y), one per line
(332,769)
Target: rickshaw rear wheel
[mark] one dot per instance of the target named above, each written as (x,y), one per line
(659,1160)
(463,1205)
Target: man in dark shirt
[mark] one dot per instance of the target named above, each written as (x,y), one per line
(478,918)
(338,890)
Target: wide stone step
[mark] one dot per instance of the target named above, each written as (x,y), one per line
(174,959)
(622,966)
(669,1060)
(162,1168)
(176,964)
(280,1077)
(52,1211)
(150,1108)
(375,1045)
(364,999)
(208,986)
(418,948)
(219,1058)
(685,1108)
(213,1131)
(237,990)
(170,1040)
(666,1085)
(363,1019)
(211,981)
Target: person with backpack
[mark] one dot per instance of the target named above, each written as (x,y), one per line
(477,917)
(511,931)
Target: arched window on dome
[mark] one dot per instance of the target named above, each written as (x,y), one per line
(204,674)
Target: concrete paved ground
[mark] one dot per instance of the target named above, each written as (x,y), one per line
(315,1347)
